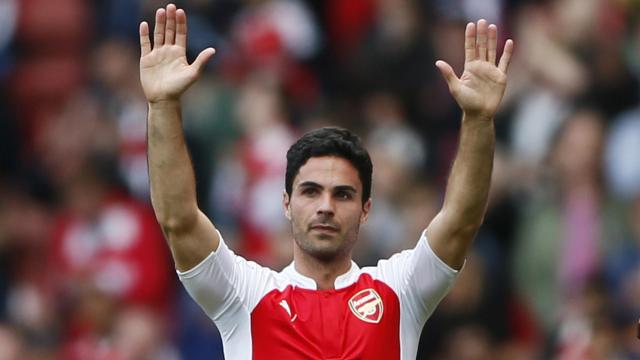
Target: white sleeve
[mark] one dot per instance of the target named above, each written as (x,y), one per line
(419,278)
(224,282)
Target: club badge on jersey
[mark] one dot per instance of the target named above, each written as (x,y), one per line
(367,306)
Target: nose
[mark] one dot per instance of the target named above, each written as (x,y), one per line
(326,205)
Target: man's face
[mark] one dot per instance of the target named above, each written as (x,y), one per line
(325,207)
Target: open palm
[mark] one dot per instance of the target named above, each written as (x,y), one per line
(481,86)
(164,71)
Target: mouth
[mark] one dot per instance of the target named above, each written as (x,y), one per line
(326,228)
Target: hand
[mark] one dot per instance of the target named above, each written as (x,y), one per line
(480,88)
(164,71)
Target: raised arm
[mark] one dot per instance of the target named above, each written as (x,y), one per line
(165,74)
(478,92)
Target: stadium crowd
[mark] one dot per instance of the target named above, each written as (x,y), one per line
(554,271)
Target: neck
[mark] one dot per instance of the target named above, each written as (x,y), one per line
(323,272)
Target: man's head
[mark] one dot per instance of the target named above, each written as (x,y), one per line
(330,141)
(327,192)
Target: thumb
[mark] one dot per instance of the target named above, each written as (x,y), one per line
(204,56)
(447,72)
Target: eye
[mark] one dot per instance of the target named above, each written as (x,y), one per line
(309,191)
(344,195)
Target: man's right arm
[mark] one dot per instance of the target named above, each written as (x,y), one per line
(190,234)
(165,74)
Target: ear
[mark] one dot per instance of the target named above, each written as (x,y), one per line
(286,204)
(366,207)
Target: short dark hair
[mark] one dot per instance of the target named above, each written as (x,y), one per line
(330,141)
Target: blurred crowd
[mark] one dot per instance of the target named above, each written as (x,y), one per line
(555,269)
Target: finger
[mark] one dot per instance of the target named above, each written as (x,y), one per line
(170,31)
(203,57)
(493,41)
(482,40)
(181,28)
(470,42)
(145,43)
(158,32)
(447,72)
(506,56)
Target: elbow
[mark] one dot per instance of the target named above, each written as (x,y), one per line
(470,223)
(470,227)
(176,222)
(466,223)
(467,231)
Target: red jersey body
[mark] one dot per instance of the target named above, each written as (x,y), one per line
(373,313)
(300,323)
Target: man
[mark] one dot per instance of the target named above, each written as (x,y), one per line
(322,306)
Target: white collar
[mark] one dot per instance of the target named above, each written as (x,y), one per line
(342,281)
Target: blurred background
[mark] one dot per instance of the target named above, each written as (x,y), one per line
(554,271)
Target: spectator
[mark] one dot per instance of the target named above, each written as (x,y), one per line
(569,226)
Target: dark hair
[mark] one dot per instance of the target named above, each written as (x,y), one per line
(330,141)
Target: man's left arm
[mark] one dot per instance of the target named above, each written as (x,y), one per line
(478,92)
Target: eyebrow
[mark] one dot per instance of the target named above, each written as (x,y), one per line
(311,184)
(347,188)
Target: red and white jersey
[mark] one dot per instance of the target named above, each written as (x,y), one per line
(373,313)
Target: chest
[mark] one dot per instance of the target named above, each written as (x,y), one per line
(357,322)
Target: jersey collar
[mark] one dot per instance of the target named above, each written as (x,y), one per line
(342,281)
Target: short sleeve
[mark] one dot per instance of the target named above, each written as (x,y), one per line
(224,280)
(419,278)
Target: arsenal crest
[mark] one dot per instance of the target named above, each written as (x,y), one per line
(367,306)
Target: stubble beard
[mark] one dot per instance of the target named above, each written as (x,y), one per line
(324,250)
